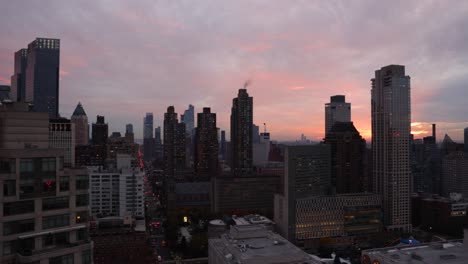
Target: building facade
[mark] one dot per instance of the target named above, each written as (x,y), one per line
(18,79)
(337,110)
(391,127)
(174,144)
(348,158)
(148,141)
(44,216)
(100,131)
(80,119)
(117,191)
(241,133)
(206,145)
(62,135)
(42,75)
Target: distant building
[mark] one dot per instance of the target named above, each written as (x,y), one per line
(122,145)
(80,120)
(130,137)
(222,145)
(391,128)
(466,139)
(261,150)
(453,252)
(217,227)
(42,75)
(62,135)
(255,134)
(241,134)
(117,191)
(18,79)
(158,146)
(348,154)
(254,244)
(44,216)
(4,92)
(206,145)
(188,118)
(336,111)
(100,131)
(148,141)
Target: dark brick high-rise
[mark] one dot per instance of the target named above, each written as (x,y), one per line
(100,131)
(241,133)
(174,144)
(206,145)
(42,75)
(348,151)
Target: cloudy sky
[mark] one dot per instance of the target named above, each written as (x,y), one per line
(124,58)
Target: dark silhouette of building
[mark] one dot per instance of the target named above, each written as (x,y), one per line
(466,139)
(100,131)
(42,75)
(206,145)
(148,141)
(18,79)
(255,134)
(348,150)
(129,136)
(158,146)
(241,133)
(174,144)
(391,128)
(222,145)
(425,164)
(80,119)
(4,92)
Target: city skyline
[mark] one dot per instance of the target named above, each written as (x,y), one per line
(295,63)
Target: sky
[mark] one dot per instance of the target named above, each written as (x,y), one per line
(122,59)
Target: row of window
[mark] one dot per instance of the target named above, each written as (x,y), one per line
(54,203)
(28,185)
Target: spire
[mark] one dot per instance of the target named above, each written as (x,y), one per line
(79,111)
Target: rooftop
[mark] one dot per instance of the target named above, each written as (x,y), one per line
(453,252)
(254,244)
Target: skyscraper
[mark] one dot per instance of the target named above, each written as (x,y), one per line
(391,128)
(100,131)
(5,92)
(148,141)
(206,145)
(336,111)
(222,147)
(129,136)
(241,133)
(188,118)
(18,79)
(80,120)
(42,75)
(174,144)
(158,147)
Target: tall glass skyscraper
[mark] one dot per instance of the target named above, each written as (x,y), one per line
(18,79)
(42,75)
(391,128)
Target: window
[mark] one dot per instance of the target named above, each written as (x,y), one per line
(61,238)
(18,226)
(82,234)
(48,164)
(26,165)
(55,221)
(55,203)
(65,259)
(82,200)
(9,188)
(64,183)
(81,217)
(86,257)
(7,166)
(82,182)
(22,207)
(8,247)
(25,246)
(48,240)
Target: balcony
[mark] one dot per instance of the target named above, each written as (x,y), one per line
(28,256)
